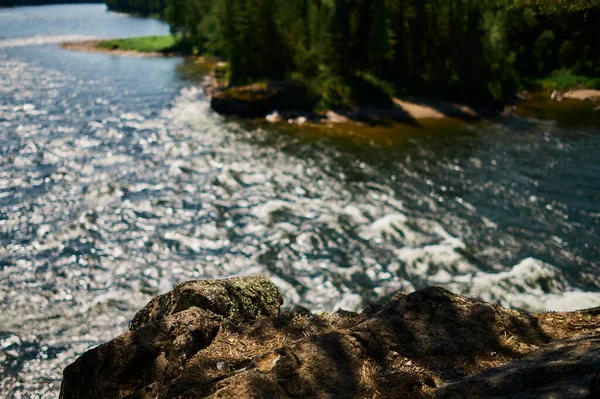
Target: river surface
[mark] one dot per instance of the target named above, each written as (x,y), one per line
(117,182)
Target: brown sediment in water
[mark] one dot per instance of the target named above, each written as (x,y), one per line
(228,339)
(575,108)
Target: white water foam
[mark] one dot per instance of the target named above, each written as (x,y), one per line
(530,285)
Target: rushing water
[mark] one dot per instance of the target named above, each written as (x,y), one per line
(117,182)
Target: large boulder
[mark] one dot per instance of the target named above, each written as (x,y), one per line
(226,339)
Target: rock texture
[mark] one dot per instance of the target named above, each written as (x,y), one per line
(226,339)
(236,299)
(565,369)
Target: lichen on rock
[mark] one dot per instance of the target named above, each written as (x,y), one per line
(237,299)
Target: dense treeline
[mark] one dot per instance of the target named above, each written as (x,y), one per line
(351,49)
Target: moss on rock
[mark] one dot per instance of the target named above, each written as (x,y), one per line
(238,299)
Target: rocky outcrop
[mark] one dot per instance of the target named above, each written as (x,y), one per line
(227,339)
(259,100)
(154,354)
(291,101)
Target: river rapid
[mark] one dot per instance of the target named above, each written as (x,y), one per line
(117,182)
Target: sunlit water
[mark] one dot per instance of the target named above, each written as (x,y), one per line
(117,182)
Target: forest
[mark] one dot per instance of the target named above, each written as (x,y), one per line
(352,51)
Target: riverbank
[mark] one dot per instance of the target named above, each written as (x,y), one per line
(291,101)
(287,101)
(149,46)
(275,100)
(565,80)
(228,339)
(578,107)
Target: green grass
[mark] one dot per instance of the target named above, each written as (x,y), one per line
(147,44)
(564,80)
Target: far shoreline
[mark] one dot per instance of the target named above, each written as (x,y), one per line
(401,109)
(260,101)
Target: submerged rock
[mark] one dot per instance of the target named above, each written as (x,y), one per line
(226,339)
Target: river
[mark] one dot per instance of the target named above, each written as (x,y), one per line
(117,182)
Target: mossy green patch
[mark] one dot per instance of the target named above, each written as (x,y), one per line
(240,299)
(564,80)
(146,44)
(253,92)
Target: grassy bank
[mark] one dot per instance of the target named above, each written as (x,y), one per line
(564,80)
(147,44)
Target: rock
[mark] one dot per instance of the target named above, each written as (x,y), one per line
(523,95)
(583,95)
(557,96)
(259,100)
(301,120)
(334,117)
(564,369)
(274,117)
(237,299)
(226,339)
(153,353)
